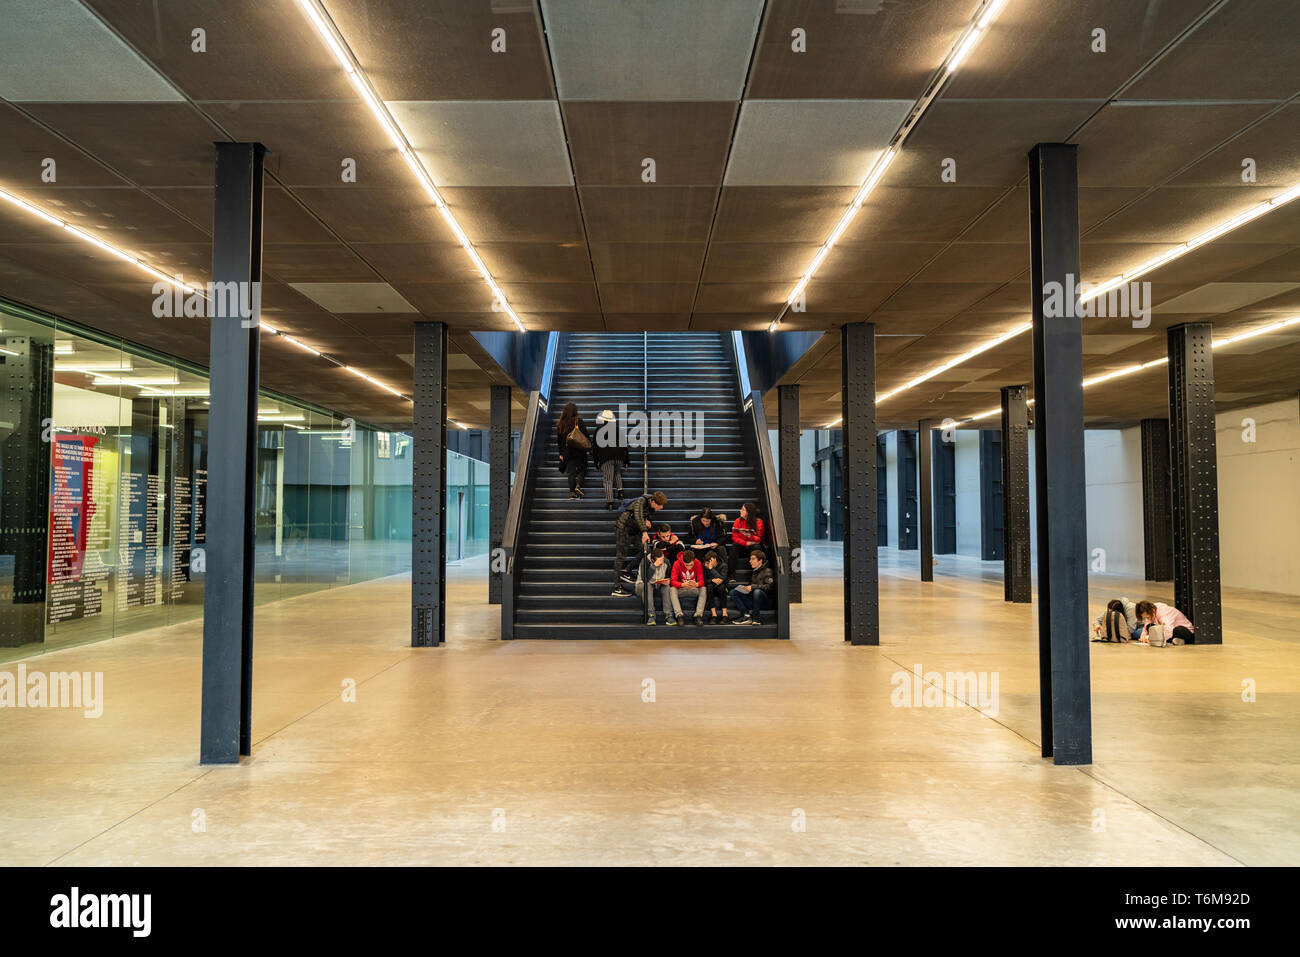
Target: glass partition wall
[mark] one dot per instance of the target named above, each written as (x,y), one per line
(103,480)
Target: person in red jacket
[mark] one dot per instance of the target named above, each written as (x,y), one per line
(687,579)
(746,534)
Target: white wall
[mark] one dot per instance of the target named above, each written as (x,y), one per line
(966,461)
(1259,498)
(1113,468)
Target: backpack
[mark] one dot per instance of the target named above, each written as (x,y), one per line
(577,440)
(625,515)
(1156,636)
(1115,627)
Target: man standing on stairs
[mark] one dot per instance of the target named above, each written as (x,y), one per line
(631,535)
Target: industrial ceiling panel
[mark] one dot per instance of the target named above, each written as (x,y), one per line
(536,262)
(978,263)
(1051,48)
(399,214)
(644,214)
(315,262)
(420,262)
(663,297)
(394,42)
(316,144)
(1008,220)
(1174,215)
(525,215)
(635,144)
(1175,134)
(647,262)
(983,142)
(919,214)
(42,37)
(1245,51)
(811,142)
(339,297)
(777,214)
(854,49)
(487,142)
(667,50)
(757,262)
(877,261)
(1272,147)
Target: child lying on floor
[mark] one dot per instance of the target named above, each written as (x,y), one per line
(1119,622)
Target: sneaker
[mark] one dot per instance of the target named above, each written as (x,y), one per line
(681,620)
(625,577)
(572,496)
(620,592)
(670,621)
(699,621)
(743,620)
(580,492)
(755,621)
(652,620)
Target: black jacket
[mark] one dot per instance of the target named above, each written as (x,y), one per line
(610,453)
(720,533)
(718,571)
(763,579)
(569,452)
(631,523)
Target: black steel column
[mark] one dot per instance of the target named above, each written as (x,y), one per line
(1016,584)
(227,700)
(992,507)
(1157,502)
(1064,681)
(1195,479)
(499,487)
(905,480)
(858,407)
(924,480)
(429,488)
(788,449)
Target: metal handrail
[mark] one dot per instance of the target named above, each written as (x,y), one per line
(647,589)
(513,538)
(752,411)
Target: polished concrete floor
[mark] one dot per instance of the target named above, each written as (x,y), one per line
(751,752)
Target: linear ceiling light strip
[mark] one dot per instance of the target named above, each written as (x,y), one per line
(1211,234)
(1163,360)
(329,33)
(176,281)
(969,39)
(84,236)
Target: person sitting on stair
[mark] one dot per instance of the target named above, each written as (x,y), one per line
(751,599)
(631,532)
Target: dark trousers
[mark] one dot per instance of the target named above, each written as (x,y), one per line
(1181,631)
(717,595)
(627,552)
(574,469)
(750,602)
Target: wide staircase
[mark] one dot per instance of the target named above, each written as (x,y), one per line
(565,573)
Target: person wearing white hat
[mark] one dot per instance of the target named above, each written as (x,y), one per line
(611,455)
